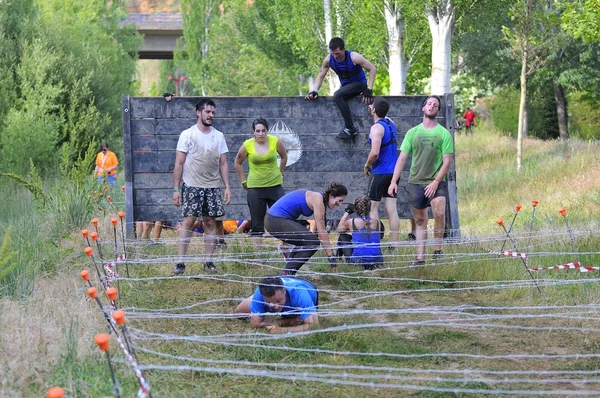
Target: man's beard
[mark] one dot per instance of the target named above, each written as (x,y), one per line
(207,123)
(430,116)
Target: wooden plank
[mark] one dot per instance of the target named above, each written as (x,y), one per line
(127,151)
(353,180)
(452,219)
(243,126)
(234,212)
(311,161)
(252,107)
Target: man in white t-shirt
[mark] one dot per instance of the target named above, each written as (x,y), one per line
(201,162)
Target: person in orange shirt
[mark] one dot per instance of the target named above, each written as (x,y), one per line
(106,165)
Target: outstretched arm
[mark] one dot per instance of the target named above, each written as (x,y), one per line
(376,135)
(365,63)
(319,80)
(315,202)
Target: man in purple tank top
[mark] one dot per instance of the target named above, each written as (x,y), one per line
(348,65)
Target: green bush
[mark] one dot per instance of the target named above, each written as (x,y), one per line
(504,113)
(584,118)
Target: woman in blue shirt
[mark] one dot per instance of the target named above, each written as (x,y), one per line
(281,222)
(366,234)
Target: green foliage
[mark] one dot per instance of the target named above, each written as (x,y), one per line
(6,255)
(68,64)
(580,19)
(504,112)
(584,117)
(222,62)
(33,183)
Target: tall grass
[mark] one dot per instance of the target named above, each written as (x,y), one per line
(556,173)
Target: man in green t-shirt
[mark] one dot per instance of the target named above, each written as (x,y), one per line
(430,145)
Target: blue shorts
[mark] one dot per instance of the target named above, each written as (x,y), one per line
(112,179)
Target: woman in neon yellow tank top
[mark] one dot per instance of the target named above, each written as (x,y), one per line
(264,176)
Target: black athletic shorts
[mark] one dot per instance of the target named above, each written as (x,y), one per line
(416,194)
(378,187)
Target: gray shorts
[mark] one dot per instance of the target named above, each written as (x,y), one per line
(202,202)
(416,194)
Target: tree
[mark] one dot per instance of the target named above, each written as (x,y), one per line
(530,38)
(580,20)
(402,53)
(70,64)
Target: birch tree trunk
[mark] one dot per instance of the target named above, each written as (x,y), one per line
(332,80)
(521,132)
(441,25)
(398,64)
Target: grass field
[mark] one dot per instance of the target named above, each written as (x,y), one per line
(469,324)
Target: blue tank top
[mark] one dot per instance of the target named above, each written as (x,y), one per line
(388,152)
(347,70)
(367,245)
(291,206)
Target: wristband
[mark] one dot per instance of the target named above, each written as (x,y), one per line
(437,179)
(244,184)
(177,190)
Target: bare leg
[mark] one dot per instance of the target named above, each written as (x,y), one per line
(210,235)
(185,232)
(421,231)
(392,212)
(157,231)
(438,207)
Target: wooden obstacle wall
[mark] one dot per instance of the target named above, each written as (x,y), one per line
(151,128)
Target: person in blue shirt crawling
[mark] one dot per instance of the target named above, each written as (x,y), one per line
(294,300)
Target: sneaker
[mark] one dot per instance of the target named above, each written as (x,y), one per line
(209,266)
(437,254)
(411,236)
(179,268)
(418,262)
(347,133)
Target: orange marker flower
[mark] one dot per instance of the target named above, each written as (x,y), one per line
(108,197)
(95,222)
(121,214)
(92,292)
(123,188)
(114,221)
(55,392)
(94,192)
(534,203)
(112,292)
(101,340)
(84,232)
(106,190)
(500,222)
(88,251)
(563,212)
(518,207)
(119,317)
(85,275)
(94,236)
